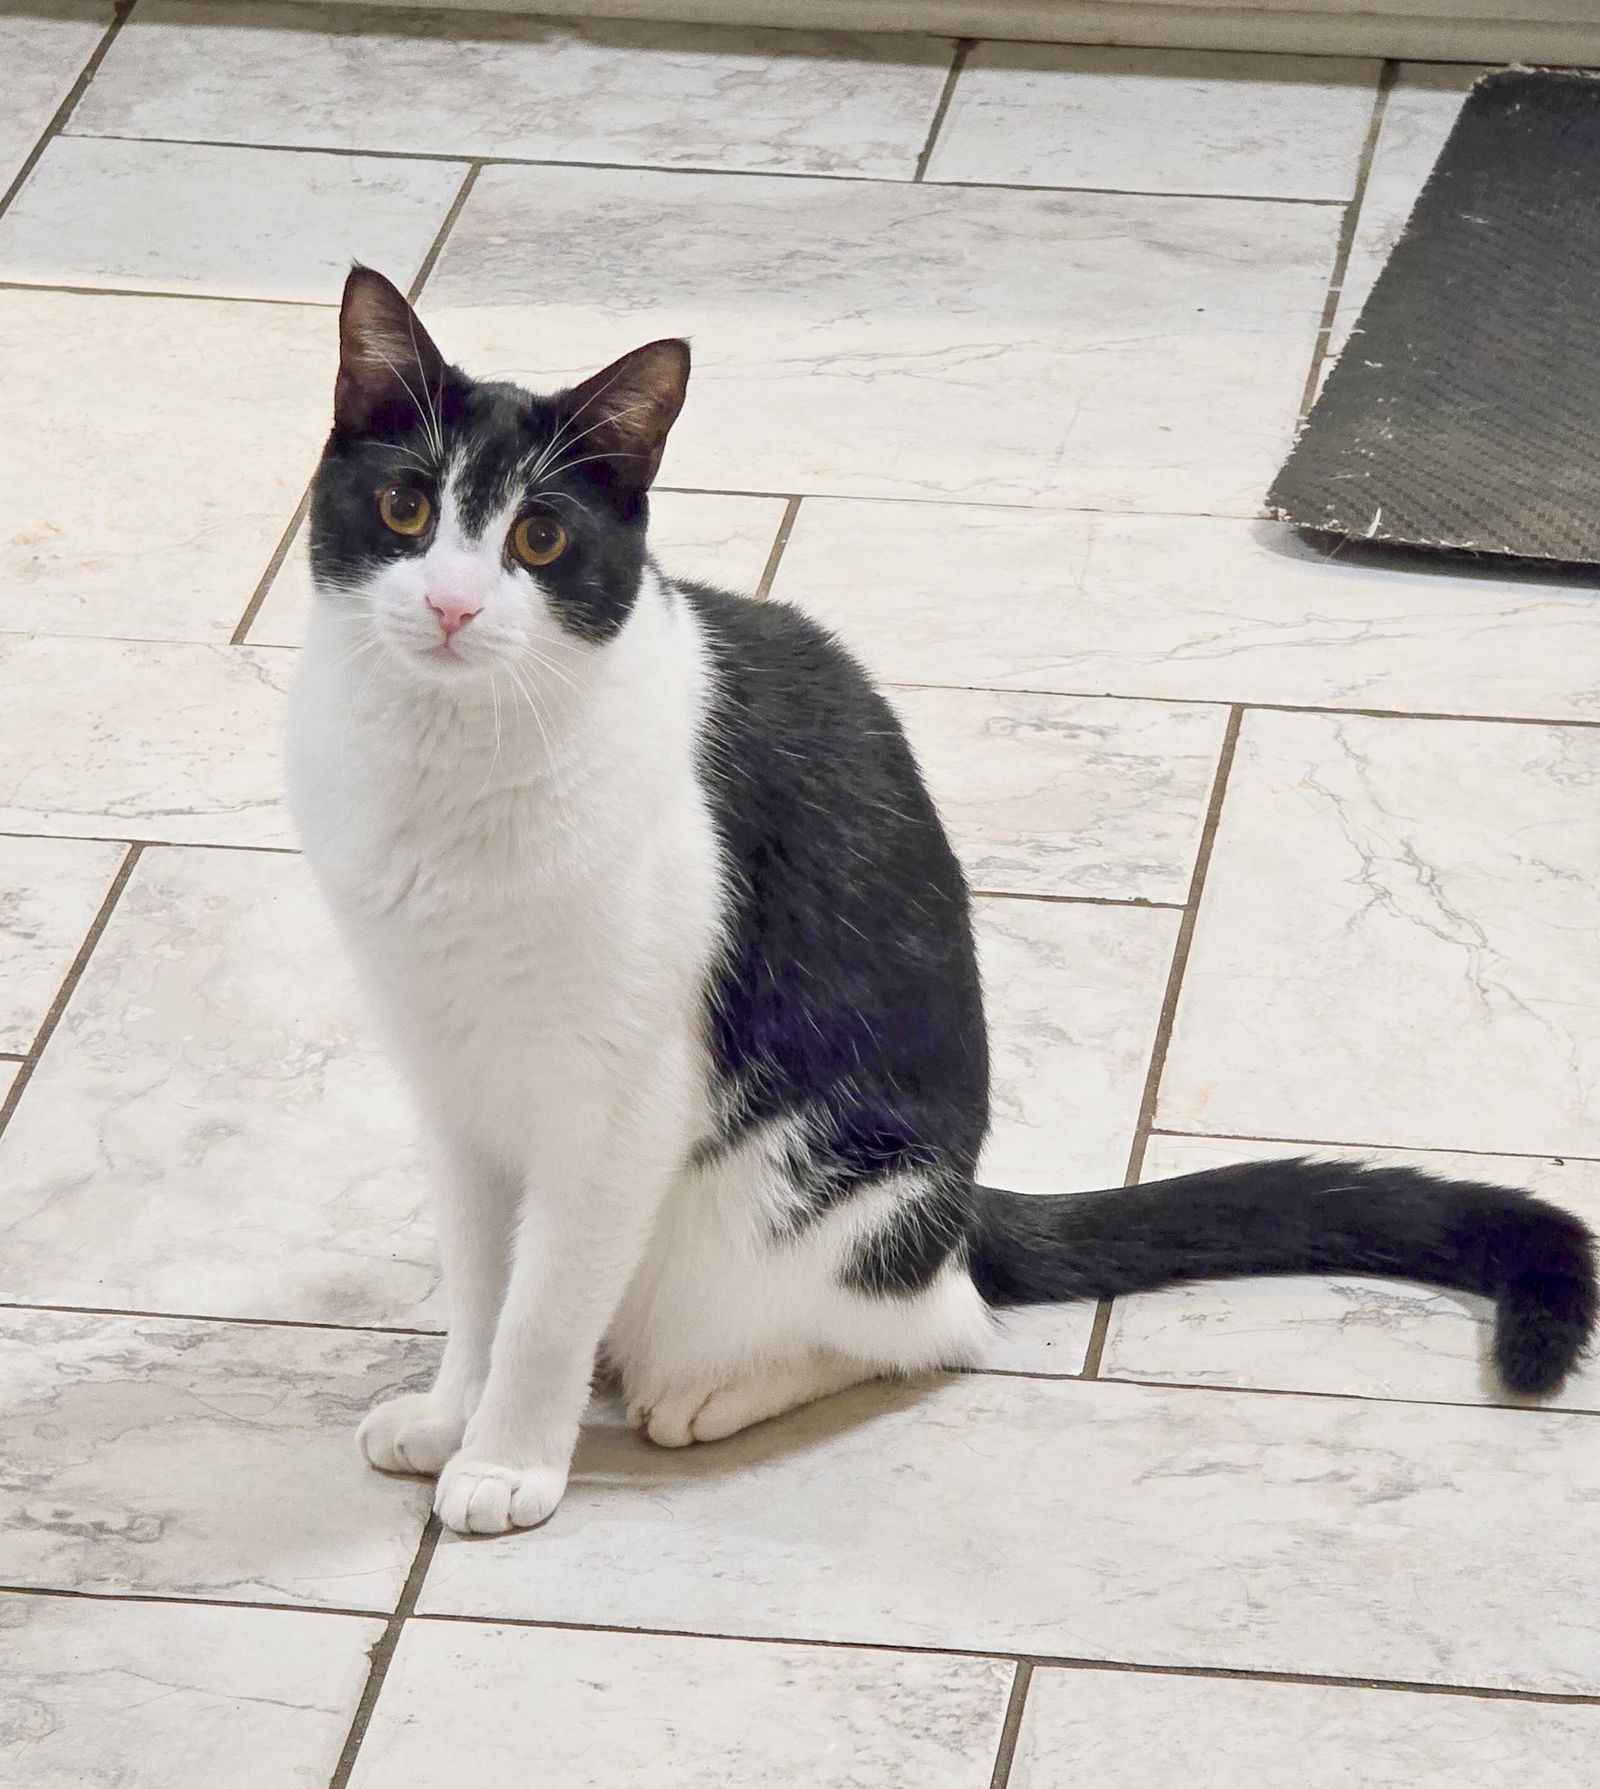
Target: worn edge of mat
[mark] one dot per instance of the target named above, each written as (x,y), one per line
(1458,550)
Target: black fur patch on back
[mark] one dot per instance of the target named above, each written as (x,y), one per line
(848,999)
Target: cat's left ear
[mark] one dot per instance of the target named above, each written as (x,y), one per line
(388,365)
(622,415)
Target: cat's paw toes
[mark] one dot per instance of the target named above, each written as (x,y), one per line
(731,1408)
(415,1433)
(475,1497)
(669,1420)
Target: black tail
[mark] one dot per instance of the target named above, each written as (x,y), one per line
(1535,1261)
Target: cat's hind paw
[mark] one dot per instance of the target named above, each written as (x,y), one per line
(415,1433)
(475,1497)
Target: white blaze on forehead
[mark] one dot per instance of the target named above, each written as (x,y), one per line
(459,562)
(453,530)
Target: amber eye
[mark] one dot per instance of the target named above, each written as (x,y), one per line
(537,540)
(405,509)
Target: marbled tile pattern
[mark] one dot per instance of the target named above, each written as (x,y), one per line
(155,741)
(151,517)
(846,347)
(1072,994)
(1187,607)
(1174,121)
(539,89)
(1044,795)
(1439,873)
(209,1460)
(212,1078)
(142,216)
(1370,1338)
(50,891)
(1005,428)
(43,48)
(590,1711)
(1091,1521)
(1122,1730)
(174,1695)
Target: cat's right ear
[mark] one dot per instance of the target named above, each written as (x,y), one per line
(388,364)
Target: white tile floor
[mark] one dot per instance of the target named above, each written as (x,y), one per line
(1276,852)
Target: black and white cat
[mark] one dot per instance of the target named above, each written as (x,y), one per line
(646,886)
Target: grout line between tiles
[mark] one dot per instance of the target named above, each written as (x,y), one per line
(1387,76)
(252,609)
(1061,1661)
(435,248)
(68,986)
(1249,707)
(1085,1374)
(239,636)
(779,541)
(383,1653)
(1093,1350)
(314,304)
(1047,1661)
(1145,1122)
(119,17)
(1011,1727)
(1527,1408)
(1510,1155)
(551,161)
(103,1310)
(102,838)
(1062,900)
(964,46)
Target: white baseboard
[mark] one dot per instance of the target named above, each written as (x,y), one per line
(1200,26)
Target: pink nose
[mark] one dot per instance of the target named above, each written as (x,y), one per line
(454,612)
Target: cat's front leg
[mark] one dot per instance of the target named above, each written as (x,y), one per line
(581,1233)
(475,1210)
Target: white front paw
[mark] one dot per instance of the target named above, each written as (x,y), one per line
(415,1433)
(475,1497)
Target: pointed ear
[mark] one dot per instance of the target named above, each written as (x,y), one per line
(621,416)
(387,360)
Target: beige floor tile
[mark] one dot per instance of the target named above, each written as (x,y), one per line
(1418,115)
(173,742)
(1054,795)
(1370,1338)
(807,102)
(1170,121)
(1078,1519)
(234,223)
(592,1711)
(174,1695)
(927,342)
(212,1080)
(155,451)
(1073,993)
(1197,608)
(1399,940)
(1125,1730)
(43,49)
(1050,1340)
(695,534)
(50,891)
(212,1460)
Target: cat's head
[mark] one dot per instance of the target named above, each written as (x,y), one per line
(473,525)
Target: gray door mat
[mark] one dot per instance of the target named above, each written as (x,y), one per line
(1465,411)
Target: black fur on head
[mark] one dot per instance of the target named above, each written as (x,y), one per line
(585,456)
